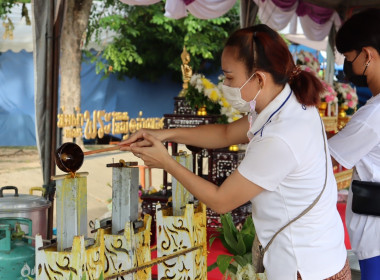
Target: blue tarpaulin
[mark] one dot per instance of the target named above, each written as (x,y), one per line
(17,113)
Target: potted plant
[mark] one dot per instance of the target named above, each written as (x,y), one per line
(238,242)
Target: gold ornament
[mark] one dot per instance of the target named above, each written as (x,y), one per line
(322,109)
(233,148)
(187,72)
(202,111)
(342,116)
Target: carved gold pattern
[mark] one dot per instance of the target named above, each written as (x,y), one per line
(178,233)
(79,263)
(127,251)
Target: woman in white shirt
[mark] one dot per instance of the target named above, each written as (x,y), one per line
(358,144)
(285,167)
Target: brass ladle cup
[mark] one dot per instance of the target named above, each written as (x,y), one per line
(69,157)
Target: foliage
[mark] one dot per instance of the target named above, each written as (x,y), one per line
(5,9)
(196,96)
(237,242)
(202,92)
(146,44)
(6,6)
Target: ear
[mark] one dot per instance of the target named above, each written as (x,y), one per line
(368,55)
(262,78)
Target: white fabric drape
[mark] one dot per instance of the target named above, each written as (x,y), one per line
(278,19)
(140,2)
(274,16)
(203,9)
(317,32)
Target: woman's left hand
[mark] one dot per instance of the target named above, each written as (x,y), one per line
(154,156)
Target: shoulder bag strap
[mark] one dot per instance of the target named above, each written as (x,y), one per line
(311,205)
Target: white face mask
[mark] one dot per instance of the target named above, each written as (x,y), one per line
(233,96)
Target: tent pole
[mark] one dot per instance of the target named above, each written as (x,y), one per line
(49,125)
(248,13)
(330,65)
(53,77)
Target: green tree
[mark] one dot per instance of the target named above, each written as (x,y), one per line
(147,44)
(75,22)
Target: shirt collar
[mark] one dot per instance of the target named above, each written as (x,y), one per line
(276,104)
(373,98)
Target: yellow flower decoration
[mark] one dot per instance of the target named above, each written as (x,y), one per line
(207,83)
(214,96)
(225,103)
(214,93)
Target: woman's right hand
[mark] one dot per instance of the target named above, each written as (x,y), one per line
(137,139)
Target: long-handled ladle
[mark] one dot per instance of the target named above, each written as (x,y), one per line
(69,156)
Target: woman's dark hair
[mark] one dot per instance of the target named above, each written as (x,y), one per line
(360,30)
(261,48)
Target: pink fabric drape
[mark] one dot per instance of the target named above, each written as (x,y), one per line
(316,21)
(204,9)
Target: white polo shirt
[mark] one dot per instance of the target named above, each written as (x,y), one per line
(286,157)
(358,145)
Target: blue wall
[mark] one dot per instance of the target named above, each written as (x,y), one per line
(17,113)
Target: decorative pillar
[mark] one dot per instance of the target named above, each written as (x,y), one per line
(129,244)
(71,208)
(181,196)
(125,196)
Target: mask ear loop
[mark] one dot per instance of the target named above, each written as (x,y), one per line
(252,103)
(247,80)
(367,63)
(366,66)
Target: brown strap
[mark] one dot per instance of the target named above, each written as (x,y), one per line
(311,205)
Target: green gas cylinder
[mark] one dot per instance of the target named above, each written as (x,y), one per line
(17,256)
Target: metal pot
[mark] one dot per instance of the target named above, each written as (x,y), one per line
(25,206)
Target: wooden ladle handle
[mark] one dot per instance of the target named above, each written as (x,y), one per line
(69,156)
(114,148)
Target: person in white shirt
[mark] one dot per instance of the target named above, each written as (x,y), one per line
(358,144)
(286,165)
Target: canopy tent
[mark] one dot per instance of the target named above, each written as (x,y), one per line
(317,16)
(23,33)
(316,21)
(203,9)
